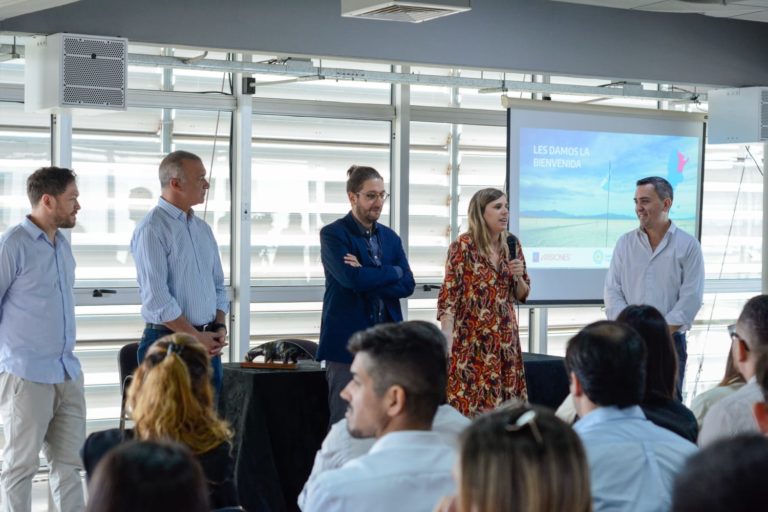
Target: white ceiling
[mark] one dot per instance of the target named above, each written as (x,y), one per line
(752,10)
(11,8)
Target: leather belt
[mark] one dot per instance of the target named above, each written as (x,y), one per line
(163,327)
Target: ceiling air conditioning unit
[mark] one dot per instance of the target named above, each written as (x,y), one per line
(737,115)
(75,71)
(413,11)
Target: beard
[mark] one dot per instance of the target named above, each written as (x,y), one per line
(66,222)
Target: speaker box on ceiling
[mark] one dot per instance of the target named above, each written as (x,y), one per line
(75,71)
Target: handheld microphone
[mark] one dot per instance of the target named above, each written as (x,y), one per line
(512,243)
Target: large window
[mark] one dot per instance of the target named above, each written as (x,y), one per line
(299,185)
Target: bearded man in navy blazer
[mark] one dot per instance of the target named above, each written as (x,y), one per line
(366,275)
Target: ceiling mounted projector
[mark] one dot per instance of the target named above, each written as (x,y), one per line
(412,11)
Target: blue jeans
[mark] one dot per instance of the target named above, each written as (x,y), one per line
(152,335)
(681,347)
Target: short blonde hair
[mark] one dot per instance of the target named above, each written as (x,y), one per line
(540,466)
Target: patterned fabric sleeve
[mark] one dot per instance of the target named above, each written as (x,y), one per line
(450,291)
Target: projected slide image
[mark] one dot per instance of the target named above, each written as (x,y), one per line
(577,189)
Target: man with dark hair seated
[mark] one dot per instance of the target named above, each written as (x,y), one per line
(398,381)
(632,461)
(727,476)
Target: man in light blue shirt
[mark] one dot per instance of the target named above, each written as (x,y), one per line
(42,404)
(178,266)
(632,462)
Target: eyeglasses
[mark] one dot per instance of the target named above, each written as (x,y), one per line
(372,196)
(526,419)
(736,337)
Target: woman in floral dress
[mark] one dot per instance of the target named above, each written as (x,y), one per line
(475,309)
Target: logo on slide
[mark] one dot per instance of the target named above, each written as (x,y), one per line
(598,256)
(675,168)
(536,257)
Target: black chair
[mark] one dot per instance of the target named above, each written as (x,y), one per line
(127,362)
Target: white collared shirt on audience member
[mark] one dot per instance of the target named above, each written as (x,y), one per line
(732,415)
(339,447)
(406,470)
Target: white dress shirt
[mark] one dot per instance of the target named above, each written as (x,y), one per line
(339,446)
(406,471)
(703,402)
(671,278)
(732,415)
(632,462)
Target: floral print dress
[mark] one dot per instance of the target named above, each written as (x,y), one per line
(486,364)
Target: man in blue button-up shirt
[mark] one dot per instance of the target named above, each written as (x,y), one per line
(632,462)
(42,403)
(181,280)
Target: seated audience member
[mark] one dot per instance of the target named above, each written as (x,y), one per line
(398,381)
(733,414)
(521,459)
(632,461)
(339,446)
(732,381)
(171,398)
(148,476)
(726,476)
(760,408)
(660,403)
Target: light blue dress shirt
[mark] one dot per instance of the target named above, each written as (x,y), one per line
(632,462)
(37,305)
(178,267)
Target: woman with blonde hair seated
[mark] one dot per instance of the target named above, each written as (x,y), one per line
(171,398)
(520,459)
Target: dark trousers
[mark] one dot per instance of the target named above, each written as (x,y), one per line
(681,347)
(338,376)
(152,335)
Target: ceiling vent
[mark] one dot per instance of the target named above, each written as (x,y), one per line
(413,11)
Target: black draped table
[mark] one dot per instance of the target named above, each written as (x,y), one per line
(546,379)
(280,418)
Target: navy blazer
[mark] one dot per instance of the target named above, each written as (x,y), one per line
(350,292)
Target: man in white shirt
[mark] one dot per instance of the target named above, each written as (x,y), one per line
(632,462)
(339,447)
(398,381)
(657,264)
(733,414)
